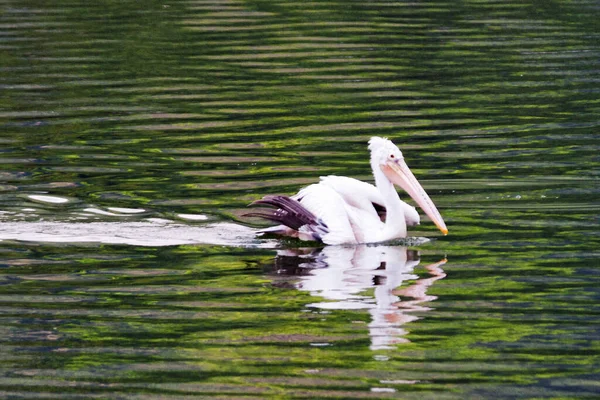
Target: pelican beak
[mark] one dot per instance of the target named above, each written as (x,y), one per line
(399,173)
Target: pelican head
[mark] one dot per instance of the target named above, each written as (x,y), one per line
(387,157)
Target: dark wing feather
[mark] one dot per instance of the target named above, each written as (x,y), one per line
(288,212)
(380,210)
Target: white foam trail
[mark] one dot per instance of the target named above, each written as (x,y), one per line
(150,232)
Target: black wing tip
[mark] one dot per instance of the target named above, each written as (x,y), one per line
(289,211)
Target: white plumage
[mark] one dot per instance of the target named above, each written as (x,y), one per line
(340,210)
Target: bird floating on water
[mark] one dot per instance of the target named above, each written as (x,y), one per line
(342,210)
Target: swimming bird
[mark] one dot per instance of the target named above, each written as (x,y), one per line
(343,210)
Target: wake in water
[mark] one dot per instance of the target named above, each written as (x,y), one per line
(115,225)
(87,226)
(149,232)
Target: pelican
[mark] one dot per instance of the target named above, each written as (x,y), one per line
(342,210)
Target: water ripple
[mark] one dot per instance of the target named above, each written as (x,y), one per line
(134,136)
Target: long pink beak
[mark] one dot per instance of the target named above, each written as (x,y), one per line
(399,173)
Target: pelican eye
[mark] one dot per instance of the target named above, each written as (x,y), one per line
(392,156)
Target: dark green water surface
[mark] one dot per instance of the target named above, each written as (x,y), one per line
(134,133)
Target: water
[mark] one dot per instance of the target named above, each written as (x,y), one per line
(134,135)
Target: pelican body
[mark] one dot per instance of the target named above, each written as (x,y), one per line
(342,210)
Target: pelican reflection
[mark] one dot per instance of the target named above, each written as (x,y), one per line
(343,277)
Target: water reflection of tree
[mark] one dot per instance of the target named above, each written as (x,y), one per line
(363,277)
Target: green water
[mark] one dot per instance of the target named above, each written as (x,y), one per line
(134,134)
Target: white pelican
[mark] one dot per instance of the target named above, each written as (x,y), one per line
(342,210)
